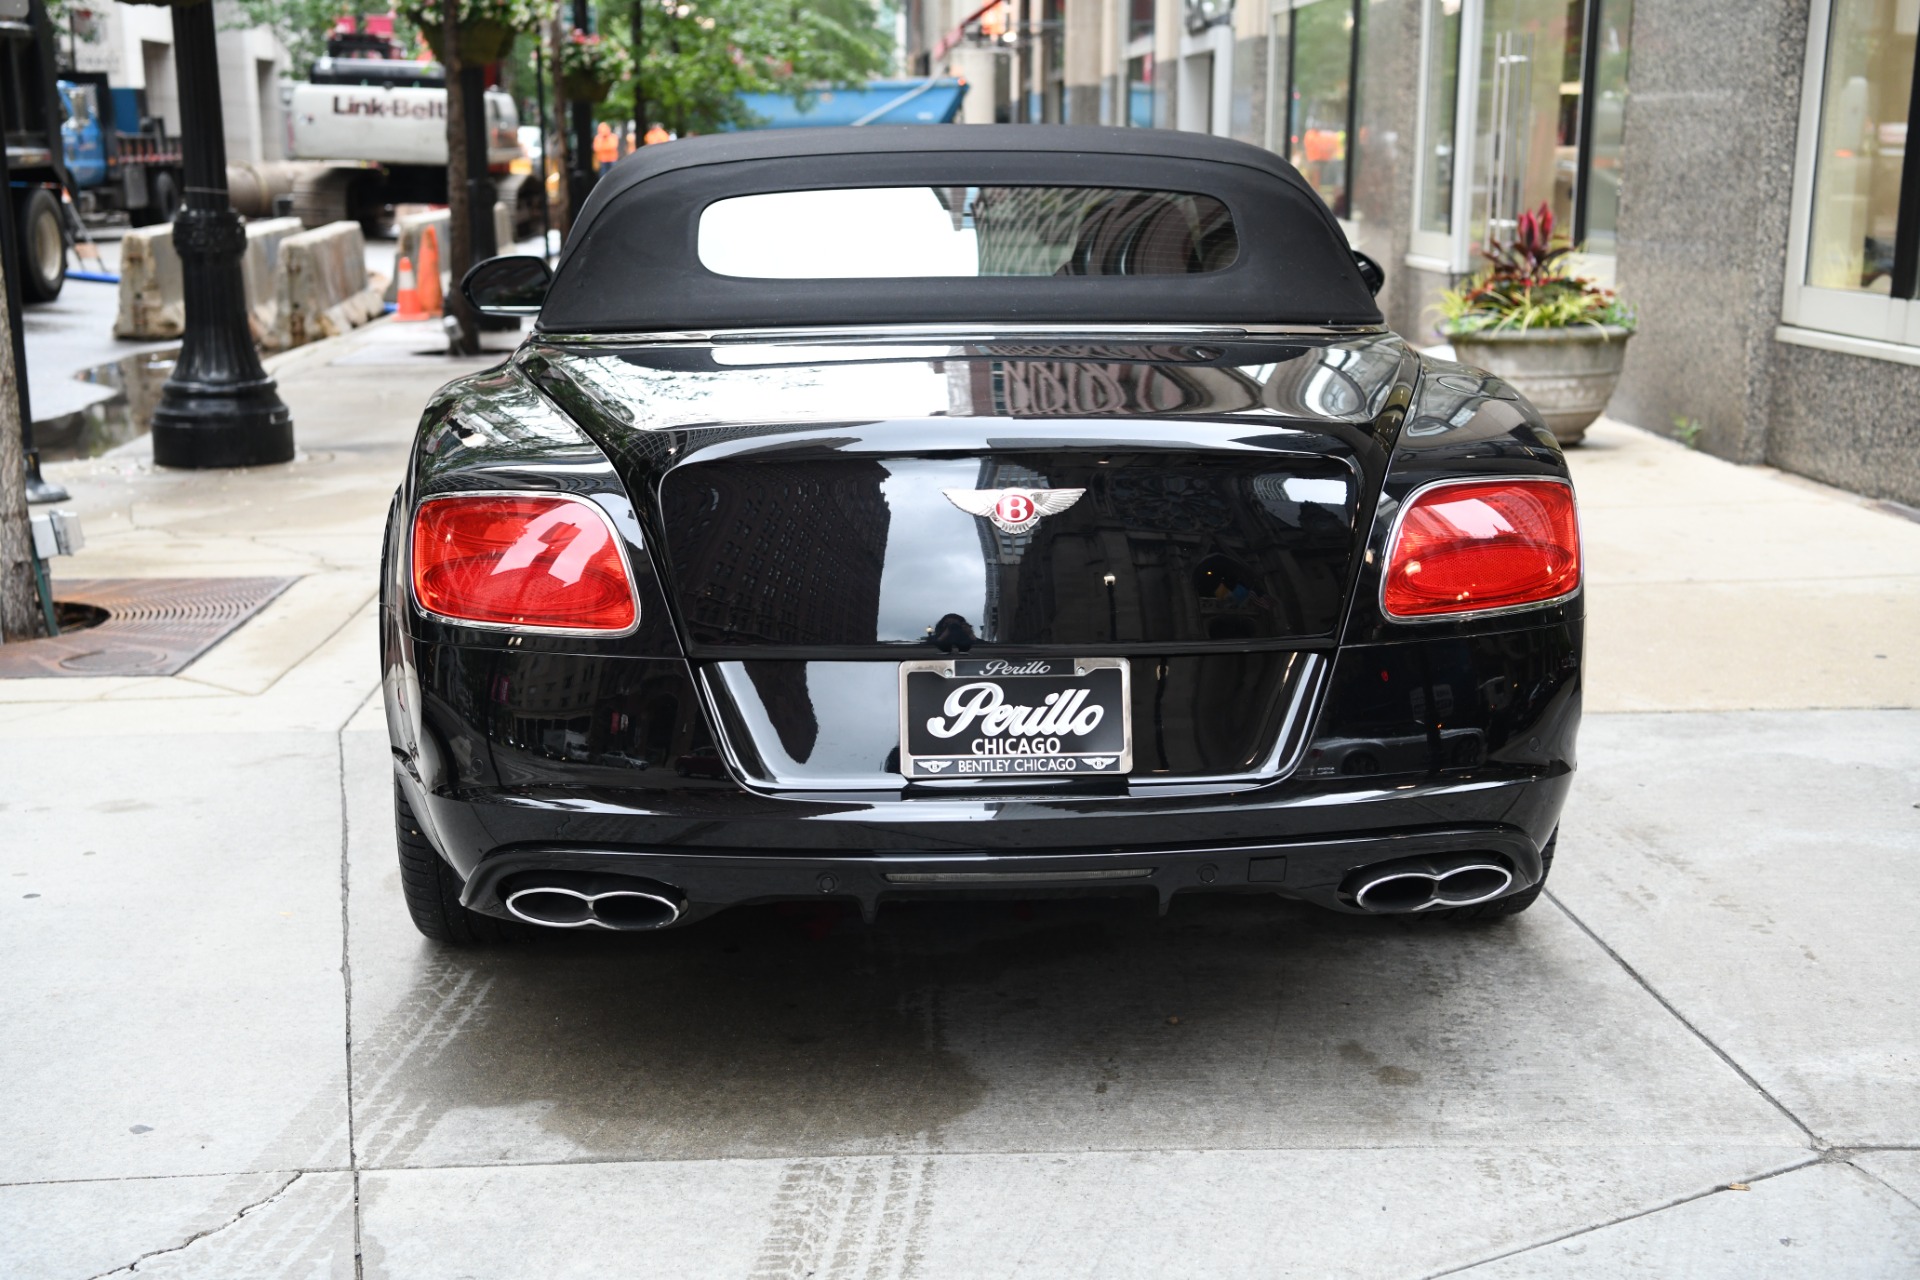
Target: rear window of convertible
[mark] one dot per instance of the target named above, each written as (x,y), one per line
(904,232)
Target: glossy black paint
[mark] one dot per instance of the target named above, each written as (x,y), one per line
(749,764)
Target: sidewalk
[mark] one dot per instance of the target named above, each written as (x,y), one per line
(230,1054)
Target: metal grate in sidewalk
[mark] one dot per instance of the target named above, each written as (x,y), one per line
(153,626)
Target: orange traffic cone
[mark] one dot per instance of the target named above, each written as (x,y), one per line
(408,294)
(432,294)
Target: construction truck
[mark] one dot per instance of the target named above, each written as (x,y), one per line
(369,132)
(75,139)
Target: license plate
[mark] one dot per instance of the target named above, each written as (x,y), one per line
(1015,717)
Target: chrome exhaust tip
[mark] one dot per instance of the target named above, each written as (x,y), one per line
(1425,884)
(620,903)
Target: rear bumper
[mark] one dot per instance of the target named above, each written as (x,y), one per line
(1430,748)
(1330,834)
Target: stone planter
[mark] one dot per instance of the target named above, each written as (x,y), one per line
(1568,374)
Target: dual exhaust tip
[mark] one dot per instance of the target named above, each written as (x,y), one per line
(1425,884)
(626,904)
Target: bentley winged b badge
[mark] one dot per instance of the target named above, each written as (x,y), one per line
(1013,510)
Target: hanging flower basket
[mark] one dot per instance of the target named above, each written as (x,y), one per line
(591,66)
(487,27)
(582,87)
(480,42)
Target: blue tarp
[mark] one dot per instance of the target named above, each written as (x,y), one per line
(936,105)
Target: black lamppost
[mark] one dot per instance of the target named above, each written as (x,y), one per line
(580,180)
(219,409)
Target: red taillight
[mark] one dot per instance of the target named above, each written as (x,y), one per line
(1483,544)
(521,562)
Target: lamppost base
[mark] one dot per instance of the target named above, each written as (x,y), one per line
(40,489)
(240,424)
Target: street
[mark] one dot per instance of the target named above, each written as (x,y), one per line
(230,1054)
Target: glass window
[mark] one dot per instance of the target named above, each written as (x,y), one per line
(1606,105)
(1442,104)
(1322,97)
(912,232)
(1312,49)
(1862,147)
(1279,69)
(1140,20)
(1140,91)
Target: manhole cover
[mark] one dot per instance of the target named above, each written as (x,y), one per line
(153,627)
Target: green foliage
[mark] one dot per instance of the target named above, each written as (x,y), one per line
(1525,285)
(595,58)
(1687,431)
(699,56)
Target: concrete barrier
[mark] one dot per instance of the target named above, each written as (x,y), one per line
(260,271)
(151,302)
(321,286)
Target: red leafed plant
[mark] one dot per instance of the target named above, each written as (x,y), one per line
(1526,285)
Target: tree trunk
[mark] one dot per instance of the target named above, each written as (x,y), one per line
(459,222)
(19,598)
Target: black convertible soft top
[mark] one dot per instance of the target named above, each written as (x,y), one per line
(631,263)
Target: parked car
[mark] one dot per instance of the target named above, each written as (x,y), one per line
(701,762)
(997,509)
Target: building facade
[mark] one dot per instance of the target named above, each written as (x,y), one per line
(1738,169)
(133,44)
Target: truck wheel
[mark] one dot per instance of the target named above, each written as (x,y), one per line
(43,247)
(163,200)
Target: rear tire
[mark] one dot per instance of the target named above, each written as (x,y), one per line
(1500,908)
(432,889)
(43,247)
(163,200)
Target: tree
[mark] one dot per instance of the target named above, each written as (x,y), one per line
(19,594)
(701,55)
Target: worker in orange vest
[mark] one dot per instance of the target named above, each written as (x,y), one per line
(657,134)
(606,147)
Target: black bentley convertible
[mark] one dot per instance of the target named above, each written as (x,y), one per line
(879,514)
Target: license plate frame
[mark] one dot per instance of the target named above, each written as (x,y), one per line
(1023,683)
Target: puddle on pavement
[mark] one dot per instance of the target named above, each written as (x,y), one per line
(126,415)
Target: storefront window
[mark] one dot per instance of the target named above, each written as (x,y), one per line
(1140,20)
(1312,49)
(1136,109)
(1605,105)
(1522,101)
(1862,147)
(1140,91)
(1437,120)
(1279,65)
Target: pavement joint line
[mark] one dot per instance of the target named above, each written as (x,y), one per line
(1848,1160)
(198,1236)
(617,1162)
(346,993)
(1675,1203)
(1682,1019)
(173,1177)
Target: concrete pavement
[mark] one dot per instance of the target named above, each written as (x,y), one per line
(230,1055)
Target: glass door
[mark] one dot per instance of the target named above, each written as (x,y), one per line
(1520,106)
